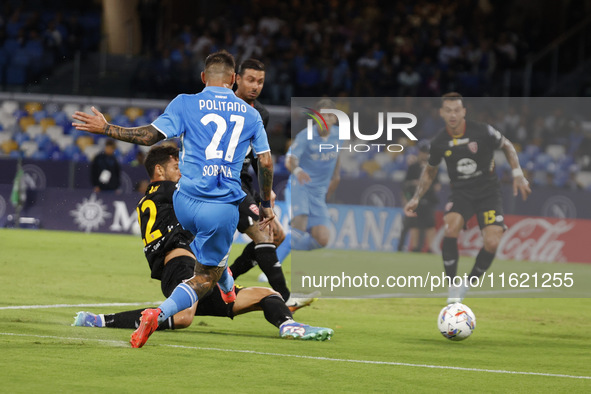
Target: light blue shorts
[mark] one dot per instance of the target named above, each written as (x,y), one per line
(310,202)
(212,224)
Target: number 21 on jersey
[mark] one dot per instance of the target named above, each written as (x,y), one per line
(212,152)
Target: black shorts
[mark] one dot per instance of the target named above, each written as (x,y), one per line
(249,212)
(487,206)
(183,267)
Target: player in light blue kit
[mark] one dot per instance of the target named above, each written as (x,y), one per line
(314,167)
(216,129)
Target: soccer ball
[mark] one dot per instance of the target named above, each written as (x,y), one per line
(456,322)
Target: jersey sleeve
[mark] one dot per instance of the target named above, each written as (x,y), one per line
(299,144)
(259,143)
(170,122)
(435,155)
(495,136)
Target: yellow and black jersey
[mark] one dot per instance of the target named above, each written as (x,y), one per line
(469,157)
(161,231)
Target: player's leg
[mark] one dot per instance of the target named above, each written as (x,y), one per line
(248,217)
(213,226)
(175,271)
(319,222)
(458,211)
(453,222)
(276,312)
(320,236)
(492,224)
(261,250)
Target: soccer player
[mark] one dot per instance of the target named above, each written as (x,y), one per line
(314,175)
(422,226)
(167,249)
(216,129)
(250,80)
(468,148)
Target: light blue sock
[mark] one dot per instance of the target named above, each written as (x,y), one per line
(313,244)
(226,282)
(301,240)
(304,241)
(284,248)
(182,297)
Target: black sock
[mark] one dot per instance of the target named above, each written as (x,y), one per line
(275,310)
(244,262)
(483,261)
(266,256)
(450,254)
(131,319)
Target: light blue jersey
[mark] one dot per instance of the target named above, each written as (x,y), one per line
(216,129)
(316,156)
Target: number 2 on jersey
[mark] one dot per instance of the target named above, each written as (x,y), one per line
(150,235)
(212,152)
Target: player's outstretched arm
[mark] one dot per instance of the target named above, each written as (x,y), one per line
(97,124)
(265,175)
(427,177)
(520,184)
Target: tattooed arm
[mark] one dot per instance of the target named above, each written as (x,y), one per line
(427,177)
(265,175)
(97,124)
(520,184)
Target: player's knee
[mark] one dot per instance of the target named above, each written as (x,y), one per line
(322,237)
(257,235)
(491,244)
(184,318)
(451,231)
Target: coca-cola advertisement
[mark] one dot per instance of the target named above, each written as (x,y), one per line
(529,238)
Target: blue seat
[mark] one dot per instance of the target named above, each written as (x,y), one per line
(20,137)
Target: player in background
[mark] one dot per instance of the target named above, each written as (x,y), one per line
(167,249)
(468,148)
(422,226)
(216,129)
(264,248)
(315,174)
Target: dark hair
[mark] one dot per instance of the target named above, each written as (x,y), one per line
(452,96)
(250,64)
(110,142)
(220,61)
(160,154)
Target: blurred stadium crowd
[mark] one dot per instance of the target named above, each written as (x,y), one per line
(35,37)
(340,49)
(354,48)
(554,147)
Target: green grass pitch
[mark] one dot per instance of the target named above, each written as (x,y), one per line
(380,345)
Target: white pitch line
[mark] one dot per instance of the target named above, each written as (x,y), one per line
(79,305)
(344,360)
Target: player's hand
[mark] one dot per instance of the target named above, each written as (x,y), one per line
(266,217)
(92,123)
(303,177)
(411,207)
(521,185)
